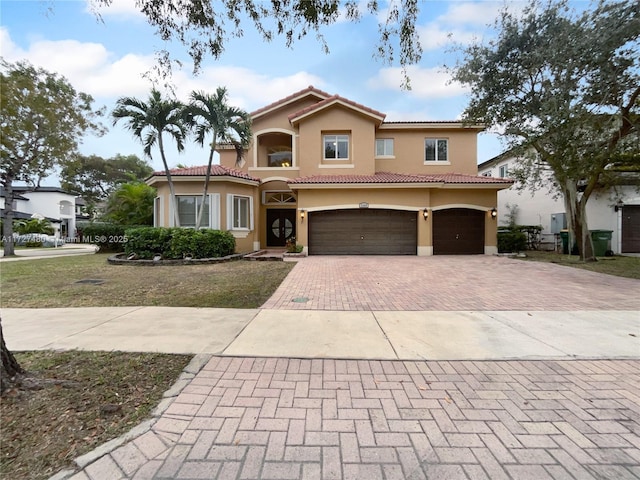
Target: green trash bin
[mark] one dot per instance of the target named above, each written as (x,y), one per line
(601,241)
(564,235)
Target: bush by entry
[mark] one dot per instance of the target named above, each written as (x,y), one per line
(178,243)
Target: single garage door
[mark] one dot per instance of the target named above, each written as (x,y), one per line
(631,229)
(458,231)
(363,232)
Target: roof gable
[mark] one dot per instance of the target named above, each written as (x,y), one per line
(310,91)
(332,101)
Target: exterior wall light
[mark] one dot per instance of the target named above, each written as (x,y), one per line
(425,214)
(619,204)
(302,214)
(494,213)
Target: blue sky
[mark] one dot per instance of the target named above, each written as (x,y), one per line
(108,59)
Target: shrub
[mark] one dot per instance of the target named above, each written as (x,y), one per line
(510,241)
(33,225)
(33,244)
(175,243)
(108,236)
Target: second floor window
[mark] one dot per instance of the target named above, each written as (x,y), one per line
(336,147)
(384,147)
(504,170)
(436,150)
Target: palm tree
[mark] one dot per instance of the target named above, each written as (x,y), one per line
(131,204)
(211,115)
(148,121)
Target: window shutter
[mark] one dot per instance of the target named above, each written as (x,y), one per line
(251,213)
(229,211)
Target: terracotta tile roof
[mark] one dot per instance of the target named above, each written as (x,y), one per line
(289,98)
(201,171)
(388,177)
(332,99)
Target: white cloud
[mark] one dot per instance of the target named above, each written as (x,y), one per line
(119,9)
(472,13)
(247,88)
(88,66)
(433,36)
(426,83)
(92,69)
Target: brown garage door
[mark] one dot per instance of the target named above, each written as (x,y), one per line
(458,231)
(631,229)
(363,232)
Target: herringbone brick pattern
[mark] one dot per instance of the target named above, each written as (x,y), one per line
(467,282)
(257,418)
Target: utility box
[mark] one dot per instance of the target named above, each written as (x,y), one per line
(558,222)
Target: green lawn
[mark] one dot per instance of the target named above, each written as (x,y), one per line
(618,265)
(52,283)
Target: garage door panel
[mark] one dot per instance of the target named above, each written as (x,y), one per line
(631,229)
(363,232)
(458,231)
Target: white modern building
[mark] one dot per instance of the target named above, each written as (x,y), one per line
(616,209)
(52,203)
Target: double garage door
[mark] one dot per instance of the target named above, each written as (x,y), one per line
(363,232)
(393,232)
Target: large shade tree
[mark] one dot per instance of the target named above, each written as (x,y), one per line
(148,122)
(43,118)
(204,26)
(213,119)
(94,178)
(564,89)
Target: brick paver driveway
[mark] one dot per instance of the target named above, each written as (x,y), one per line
(247,418)
(448,283)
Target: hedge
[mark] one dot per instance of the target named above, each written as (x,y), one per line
(110,237)
(510,241)
(175,243)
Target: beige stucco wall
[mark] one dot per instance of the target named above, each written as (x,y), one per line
(341,121)
(193,186)
(409,151)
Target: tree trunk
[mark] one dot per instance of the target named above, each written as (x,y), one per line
(172,192)
(7,223)
(206,184)
(576,210)
(10,366)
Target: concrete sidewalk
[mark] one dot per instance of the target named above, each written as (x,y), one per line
(436,335)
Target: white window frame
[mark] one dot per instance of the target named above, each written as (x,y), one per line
(338,138)
(231,213)
(504,170)
(385,142)
(437,160)
(214,211)
(286,197)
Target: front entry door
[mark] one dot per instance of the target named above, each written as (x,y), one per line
(281,226)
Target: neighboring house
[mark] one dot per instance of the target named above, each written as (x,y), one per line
(52,203)
(333,175)
(81,210)
(616,209)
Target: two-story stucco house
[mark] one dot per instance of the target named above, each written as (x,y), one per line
(335,176)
